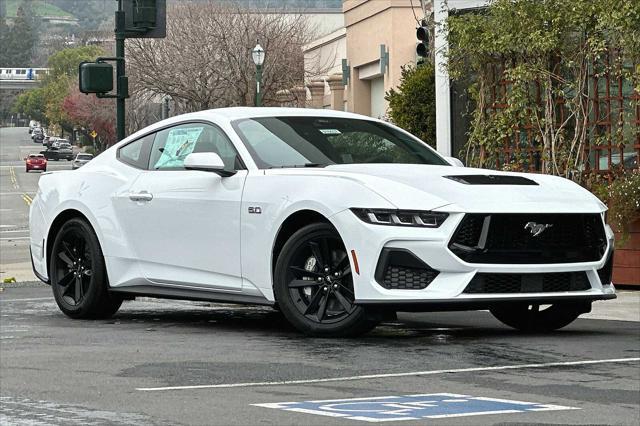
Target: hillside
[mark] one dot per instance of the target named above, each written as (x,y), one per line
(39,7)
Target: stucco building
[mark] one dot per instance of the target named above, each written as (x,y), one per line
(353,67)
(365,56)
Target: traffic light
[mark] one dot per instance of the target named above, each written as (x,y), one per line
(422,34)
(145,18)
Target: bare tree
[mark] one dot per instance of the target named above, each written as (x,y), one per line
(205,60)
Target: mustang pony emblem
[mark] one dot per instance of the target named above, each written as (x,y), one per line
(537,228)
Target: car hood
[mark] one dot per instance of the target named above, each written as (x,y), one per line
(425,187)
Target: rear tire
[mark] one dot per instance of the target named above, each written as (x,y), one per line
(316,255)
(78,274)
(529,318)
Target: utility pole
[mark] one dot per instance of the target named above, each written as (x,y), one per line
(121,79)
(133,19)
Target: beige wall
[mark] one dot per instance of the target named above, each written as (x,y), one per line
(369,24)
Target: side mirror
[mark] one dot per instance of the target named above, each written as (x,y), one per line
(206,162)
(454,161)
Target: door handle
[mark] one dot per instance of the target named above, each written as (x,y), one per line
(141,196)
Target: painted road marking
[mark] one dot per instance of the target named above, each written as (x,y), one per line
(406,374)
(27,199)
(31,299)
(12,176)
(14,238)
(412,407)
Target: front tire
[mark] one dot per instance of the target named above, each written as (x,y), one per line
(531,318)
(78,274)
(314,285)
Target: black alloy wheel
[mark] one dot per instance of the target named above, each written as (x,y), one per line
(314,284)
(78,274)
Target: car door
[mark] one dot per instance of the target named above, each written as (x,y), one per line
(185,224)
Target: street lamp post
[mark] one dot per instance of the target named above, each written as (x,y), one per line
(257,54)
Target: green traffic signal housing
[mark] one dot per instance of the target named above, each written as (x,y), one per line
(422,34)
(144,13)
(96,77)
(145,18)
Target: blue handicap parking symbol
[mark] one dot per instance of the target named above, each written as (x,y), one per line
(412,407)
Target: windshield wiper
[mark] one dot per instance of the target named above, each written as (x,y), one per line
(299,165)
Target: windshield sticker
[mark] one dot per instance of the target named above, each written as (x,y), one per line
(330,131)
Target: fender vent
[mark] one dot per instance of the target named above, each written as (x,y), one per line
(492,180)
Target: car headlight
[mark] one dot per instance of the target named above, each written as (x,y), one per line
(417,218)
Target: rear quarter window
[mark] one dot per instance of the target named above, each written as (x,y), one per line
(136,153)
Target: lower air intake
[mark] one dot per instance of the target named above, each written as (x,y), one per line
(401,270)
(483,283)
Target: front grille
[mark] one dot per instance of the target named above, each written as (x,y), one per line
(528,283)
(606,271)
(510,239)
(400,269)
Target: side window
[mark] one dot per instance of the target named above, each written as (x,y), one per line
(136,153)
(172,146)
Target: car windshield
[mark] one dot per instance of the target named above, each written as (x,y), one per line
(84,157)
(320,141)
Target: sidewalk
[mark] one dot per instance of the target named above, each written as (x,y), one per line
(625,308)
(20,271)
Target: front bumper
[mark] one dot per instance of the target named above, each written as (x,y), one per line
(447,289)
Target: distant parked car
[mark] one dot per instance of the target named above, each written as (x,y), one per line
(37,132)
(81,160)
(61,152)
(56,142)
(32,124)
(35,162)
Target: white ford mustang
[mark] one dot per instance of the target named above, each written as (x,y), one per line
(336,219)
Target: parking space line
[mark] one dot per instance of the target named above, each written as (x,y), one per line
(388,375)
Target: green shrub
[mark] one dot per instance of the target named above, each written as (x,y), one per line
(624,202)
(413,105)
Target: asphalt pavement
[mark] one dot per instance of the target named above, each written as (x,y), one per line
(162,362)
(175,362)
(17,188)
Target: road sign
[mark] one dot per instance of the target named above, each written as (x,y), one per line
(412,407)
(93,134)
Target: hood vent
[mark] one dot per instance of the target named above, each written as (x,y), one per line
(492,180)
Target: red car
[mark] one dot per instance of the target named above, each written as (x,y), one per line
(36,162)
